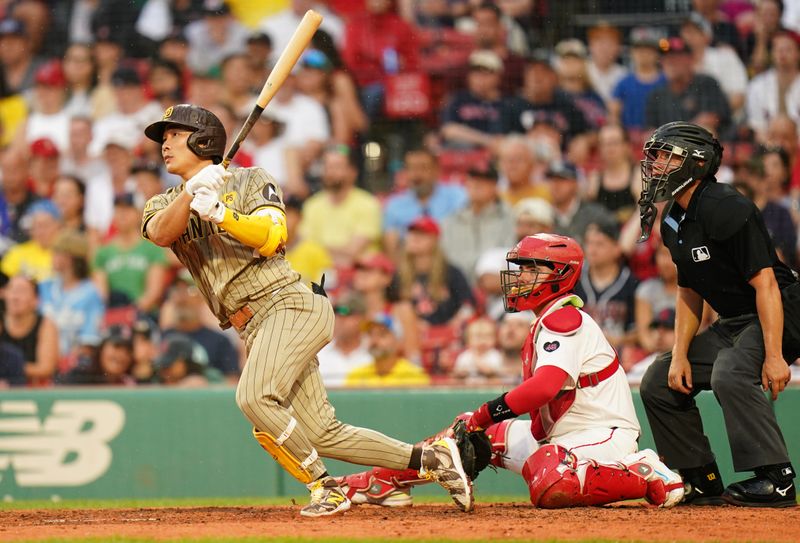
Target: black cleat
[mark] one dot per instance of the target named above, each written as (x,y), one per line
(693,495)
(761,492)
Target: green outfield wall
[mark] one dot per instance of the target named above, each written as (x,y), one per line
(146,443)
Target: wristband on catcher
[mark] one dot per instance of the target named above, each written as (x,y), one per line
(499,410)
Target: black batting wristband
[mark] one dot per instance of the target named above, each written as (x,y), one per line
(499,410)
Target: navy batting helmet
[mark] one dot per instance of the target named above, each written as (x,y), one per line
(209,138)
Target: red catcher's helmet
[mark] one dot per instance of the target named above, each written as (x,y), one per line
(522,289)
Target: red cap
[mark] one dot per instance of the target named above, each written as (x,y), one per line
(50,74)
(44,147)
(377,261)
(425,224)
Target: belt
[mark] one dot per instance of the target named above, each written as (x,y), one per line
(594,379)
(240,319)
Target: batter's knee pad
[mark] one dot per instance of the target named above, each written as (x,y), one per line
(274,446)
(498,435)
(551,477)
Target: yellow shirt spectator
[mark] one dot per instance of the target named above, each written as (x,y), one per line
(309,259)
(30,259)
(335,225)
(402,374)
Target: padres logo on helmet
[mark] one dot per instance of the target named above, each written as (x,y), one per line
(209,138)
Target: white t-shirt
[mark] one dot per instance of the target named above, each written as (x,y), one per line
(54,127)
(469,363)
(334,365)
(271,157)
(281,26)
(607,405)
(724,65)
(305,120)
(762,100)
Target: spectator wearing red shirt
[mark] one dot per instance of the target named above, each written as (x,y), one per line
(376,44)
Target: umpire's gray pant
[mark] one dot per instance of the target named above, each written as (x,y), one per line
(726,358)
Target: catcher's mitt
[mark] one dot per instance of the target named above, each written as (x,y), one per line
(474,447)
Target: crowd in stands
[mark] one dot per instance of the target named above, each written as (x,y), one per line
(415,143)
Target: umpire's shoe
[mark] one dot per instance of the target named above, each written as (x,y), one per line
(761,491)
(441,462)
(327,498)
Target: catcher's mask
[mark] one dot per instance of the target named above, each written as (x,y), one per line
(208,139)
(677,154)
(541,268)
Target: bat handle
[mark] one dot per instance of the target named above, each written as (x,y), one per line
(243,132)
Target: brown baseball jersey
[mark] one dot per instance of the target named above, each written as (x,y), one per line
(227,272)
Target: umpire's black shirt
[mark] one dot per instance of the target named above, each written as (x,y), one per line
(718,244)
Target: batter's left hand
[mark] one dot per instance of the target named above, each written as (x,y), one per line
(207,205)
(775,375)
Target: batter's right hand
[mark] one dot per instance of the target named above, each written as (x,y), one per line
(211,177)
(680,375)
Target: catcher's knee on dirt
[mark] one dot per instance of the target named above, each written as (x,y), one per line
(299,469)
(556,479)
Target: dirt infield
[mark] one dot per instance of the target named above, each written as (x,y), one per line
(489,521)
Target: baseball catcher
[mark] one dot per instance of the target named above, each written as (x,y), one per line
(580,446)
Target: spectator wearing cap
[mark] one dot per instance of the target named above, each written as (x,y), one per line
(485,222)
(69,196)
(720,62)
(174,48)
(725,31)
(48,118)
(616,184)
(108,53)
(34,258)
(271,150)
(607,286)
(662,331)
(77,160)
(490,34)
(134,110)
(109,365)
(475,116)
(237,84)
(572,213)
(16,56)
(533,216)
(573,79)
(71,300)
(373,280)
(23,325)
(488,290)
(259,51)
(186,317)
(655,295)
(348,349)
(605,44)
(687,96)
(337,93)
(15,194)
(280,26)
(629,97)
(426,195)
(146,338)
(308,258)
(183,363)
(127,270)
(521,172)
(541,100)
(214,37)
(343,218)
(388,367)
(777,90)
(436,289)
(44,166)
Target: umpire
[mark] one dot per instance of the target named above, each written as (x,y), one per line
(725,257)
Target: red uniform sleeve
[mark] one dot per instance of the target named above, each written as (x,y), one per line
(536,391)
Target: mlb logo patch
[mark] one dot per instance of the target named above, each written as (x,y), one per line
(700,254)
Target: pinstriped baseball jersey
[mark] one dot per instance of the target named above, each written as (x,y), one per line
(227,272)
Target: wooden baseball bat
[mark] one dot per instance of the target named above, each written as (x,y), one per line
(301,38)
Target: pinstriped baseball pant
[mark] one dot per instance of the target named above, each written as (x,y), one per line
(281,381)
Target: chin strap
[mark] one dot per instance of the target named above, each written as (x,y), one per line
(647,217)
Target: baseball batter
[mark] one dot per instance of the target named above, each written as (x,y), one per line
(229,229)
(580,446)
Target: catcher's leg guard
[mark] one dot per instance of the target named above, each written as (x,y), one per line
(556,479)
(512,444)
(274,446)
(381,486)
(664,486)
